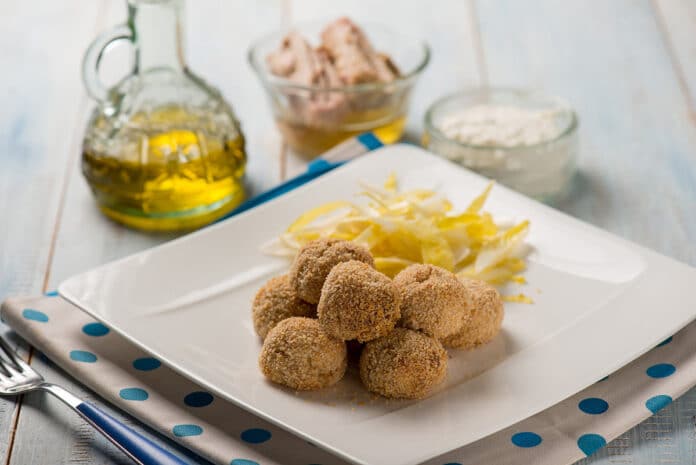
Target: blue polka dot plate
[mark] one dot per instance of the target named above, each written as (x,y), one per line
(600,302)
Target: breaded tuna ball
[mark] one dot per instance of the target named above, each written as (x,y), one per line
(484,319)
(358,302)
(316,259)
(298,354)
(404,364)
(433,300)
(275,302)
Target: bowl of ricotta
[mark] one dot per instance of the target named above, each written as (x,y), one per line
(523,139)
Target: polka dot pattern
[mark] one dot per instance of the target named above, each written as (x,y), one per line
(181,431)
(35,315)
(657,403)
(593,405)
(198,399)
(135,394)
(146,364)
(82,356)
(95,329)
(665,342)
(255,435)
(590,443)
(661,370)
(51,294)
(596,401)
(526,439)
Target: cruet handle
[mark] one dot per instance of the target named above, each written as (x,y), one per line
(93,56)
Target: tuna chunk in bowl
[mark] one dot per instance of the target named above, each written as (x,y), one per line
(328,82)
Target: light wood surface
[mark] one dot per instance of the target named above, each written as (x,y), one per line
(677,20)
(628,67)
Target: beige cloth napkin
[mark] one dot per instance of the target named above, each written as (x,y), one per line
(226,434)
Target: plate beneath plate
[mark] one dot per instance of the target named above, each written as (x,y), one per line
(600,302)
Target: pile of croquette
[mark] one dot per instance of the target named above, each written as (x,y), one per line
(333,300)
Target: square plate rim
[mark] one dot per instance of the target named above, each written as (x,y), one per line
(64,291)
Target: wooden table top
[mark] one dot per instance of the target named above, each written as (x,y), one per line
(628,67)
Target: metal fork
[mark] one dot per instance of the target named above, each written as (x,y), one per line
(17,377)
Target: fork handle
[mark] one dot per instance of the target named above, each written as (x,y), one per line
(139,448)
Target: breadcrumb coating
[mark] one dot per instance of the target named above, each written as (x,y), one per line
(298,354)
(276,301)
(316,259)
(484,319)
(404,364)
(358,302)
(433,300)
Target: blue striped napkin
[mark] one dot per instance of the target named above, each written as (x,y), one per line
(342,153)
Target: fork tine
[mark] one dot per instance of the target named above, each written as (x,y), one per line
(9,352)
(6,369)
(4,372)
(17,363)
(22,365)
(12,370)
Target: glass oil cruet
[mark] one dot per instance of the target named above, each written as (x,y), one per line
(163,151)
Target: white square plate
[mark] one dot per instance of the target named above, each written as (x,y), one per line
(600,302)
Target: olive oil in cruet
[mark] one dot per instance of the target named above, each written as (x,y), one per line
(163,151)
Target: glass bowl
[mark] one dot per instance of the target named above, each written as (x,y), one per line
(378,107)
(543,170)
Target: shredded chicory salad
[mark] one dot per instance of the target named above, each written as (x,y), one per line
(401,228)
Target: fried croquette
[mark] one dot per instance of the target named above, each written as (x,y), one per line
(358,302)
(277,301)
(433,300)
(316,259)
(298,354)
(404,364)
(484,319)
